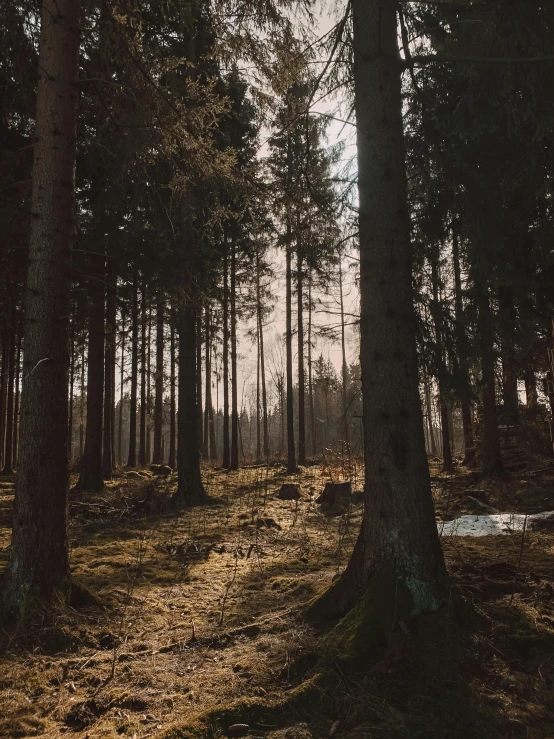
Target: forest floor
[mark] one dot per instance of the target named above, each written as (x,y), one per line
(198,624)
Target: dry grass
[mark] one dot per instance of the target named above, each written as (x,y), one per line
(200,610)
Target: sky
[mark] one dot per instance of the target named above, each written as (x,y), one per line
(327,312)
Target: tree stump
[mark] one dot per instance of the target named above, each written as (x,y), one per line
(289,491)
(335,494)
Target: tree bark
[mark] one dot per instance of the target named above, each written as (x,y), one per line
(310,371)
(71,394)
(132,456)
(397,562)
(226,445)
(429,408)
(199,382)
(234,379)
(91,477)
(38,560)
(172,409)
(143,377)
(507,320)
(291,450)
(491,460)
(17,401)
(301,373)
(344,365)
(8,453)
(109,364)
(121,392)
(440,364)
(4,393)
(207,381)
(469,439)
(159,382)
(190,489)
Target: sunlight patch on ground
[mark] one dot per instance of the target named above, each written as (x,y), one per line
(496,524)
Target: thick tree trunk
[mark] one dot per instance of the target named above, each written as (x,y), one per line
(234,378)
(8,453)
(507,320)
(16,402)
(71,395)
(199,420)
(310,372)
(109,365)
(38,559)
(143,377)
(301,373)
(149,389)
(121,393)
(291,451)
(207,381)
(159,382)
(440,365)
(172,409)
(132,456)
(4,393)
(226,445)
(397,559)
(190,490)
(491,461)
(91,477)
(83,406)
(469,440)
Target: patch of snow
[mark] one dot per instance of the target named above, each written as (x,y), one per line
(498,524)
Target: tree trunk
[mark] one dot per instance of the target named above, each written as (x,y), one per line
(310,373)
(121,393)
(491,461)
(109,364)
(159,382)
(507,320)
(132,456)
(82,419)
(226,446)
(440,365)
(344,366)
(291,451)
(71,394)
(469,439)
(190,490)
(301,374)
(397,559)
(258,372)
(143,378)
(91,477)
(207,381)
(199,381)
(149,389)
(8,453)
(264,390)
(38,559)
(4,393)
(16,402)
(234,378)
(429,407)
(172,409)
